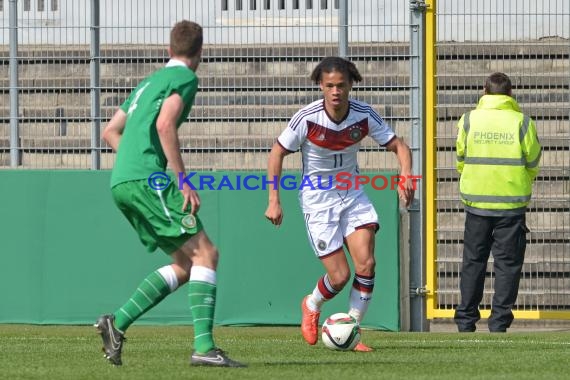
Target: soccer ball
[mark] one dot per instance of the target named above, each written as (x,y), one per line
(341,332)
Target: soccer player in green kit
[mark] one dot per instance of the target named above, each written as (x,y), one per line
(144,133)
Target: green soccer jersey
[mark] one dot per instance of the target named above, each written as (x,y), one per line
(140,153)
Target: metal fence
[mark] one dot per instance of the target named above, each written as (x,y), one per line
(66,65)
(530,42)
(71,63)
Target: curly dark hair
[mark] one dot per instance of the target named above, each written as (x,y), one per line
(330,64)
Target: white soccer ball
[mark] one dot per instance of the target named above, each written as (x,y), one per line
(340,332)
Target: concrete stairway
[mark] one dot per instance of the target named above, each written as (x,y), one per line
(246,97)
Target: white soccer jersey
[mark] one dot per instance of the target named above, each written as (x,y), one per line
(330,149)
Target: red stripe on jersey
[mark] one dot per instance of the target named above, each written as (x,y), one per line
(337,140)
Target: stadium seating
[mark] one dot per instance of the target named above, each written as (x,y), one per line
(248,93)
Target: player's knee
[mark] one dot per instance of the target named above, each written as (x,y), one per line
(339,279)
(183,278)
(207,255)
(213,256)
(181,272)
(366,267)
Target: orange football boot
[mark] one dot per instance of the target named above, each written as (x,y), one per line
(361,347)
(309,323)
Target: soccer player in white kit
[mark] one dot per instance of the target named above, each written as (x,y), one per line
(328,132)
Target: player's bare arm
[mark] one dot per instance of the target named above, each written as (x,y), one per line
(274,212)
(114,129)
(404,155)
(170,111)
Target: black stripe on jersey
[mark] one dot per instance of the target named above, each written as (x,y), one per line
(304,113)
(358,107)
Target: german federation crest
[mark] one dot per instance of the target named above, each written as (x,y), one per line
(356,134)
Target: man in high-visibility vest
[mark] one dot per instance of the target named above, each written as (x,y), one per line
(497,156)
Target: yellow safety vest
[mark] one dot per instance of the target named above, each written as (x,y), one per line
(497,155)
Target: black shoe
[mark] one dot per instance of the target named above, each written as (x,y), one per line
(113,339)
(462,328)
(215,357)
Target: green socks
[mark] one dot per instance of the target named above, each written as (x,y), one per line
(159,284)
(150,292)
(202,295)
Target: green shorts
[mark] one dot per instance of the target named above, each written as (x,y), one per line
(156,215)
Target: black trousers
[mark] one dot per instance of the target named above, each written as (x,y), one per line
(505,238)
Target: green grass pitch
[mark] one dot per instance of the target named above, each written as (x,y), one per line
(73,352)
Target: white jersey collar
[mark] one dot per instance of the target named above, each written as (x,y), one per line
(175,62)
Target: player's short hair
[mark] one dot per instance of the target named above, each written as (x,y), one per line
(330,64)
(498,84)
(186,39)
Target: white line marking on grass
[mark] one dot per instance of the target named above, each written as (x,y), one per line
(44,338)
(502,341)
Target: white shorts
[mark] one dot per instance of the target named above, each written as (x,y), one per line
(328,228)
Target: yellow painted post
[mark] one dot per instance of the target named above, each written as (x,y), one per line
(430,159)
